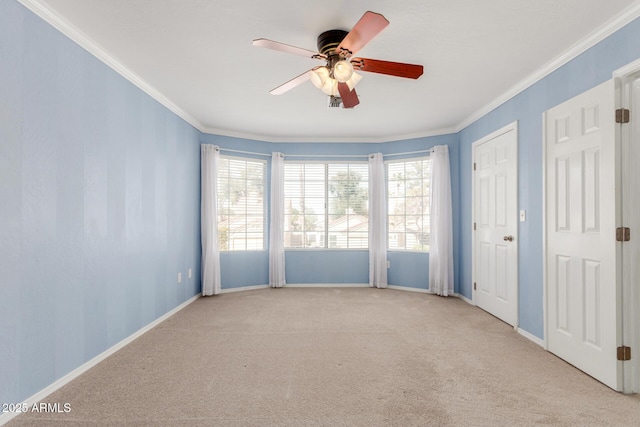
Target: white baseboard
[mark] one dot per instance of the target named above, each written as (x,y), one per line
(409,289)
(522,332)
(243,288)
(29,402)
(323,285)
(297,285)
(326,285)
(465,299)
(531,337)
(339,285)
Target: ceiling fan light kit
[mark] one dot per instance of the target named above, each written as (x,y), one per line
(353,81)
(318,76)
(342,71)
(337,78)
(330,87)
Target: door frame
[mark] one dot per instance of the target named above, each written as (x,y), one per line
(630,304)
(513,126)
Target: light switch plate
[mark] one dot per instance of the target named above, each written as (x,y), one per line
(523,215)
(179,277)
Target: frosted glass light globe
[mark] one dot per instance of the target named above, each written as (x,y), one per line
(342,71)
(330,87)
(319,76)
(353,81)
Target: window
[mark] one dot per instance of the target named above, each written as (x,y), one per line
(326,205)
(408,204)
(241,209)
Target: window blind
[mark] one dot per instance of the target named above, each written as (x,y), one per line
(241,207)
(408,204)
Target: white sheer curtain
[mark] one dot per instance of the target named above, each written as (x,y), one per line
(441,220)
(276,228)
(209,159)
(377,223)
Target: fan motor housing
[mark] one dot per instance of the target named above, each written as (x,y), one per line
(330,40)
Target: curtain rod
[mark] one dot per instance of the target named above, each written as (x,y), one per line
(244,152)
(322,155)
(292,155)
(326,155)
(406,153)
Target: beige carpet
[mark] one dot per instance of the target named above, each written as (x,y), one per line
(335,357)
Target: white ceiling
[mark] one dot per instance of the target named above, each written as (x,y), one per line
(196,57)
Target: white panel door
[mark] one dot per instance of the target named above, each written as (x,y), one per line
(495,183)
(582,289)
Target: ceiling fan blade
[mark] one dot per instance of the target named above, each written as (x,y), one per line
(270,44)
(296,81)
(365,29)
(398,69)
(349,97)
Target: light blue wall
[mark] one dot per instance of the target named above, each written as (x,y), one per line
(240,269)
(334,266)
(584,72)
(99,191)
(99,206)
(328,266)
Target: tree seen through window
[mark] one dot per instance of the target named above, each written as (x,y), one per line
(326,205)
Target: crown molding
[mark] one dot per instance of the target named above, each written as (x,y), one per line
(625,17)
(72,32)
(77,36)
(329,139)
(630,68)
(80,38)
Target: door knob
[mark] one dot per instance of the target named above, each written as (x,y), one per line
(508,238)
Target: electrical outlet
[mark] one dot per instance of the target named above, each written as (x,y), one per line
(388,264)
(190,274)
(180,277)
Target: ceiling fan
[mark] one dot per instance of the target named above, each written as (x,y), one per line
(337,47)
